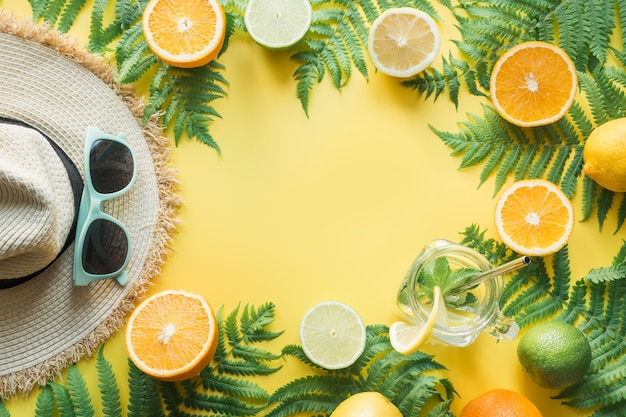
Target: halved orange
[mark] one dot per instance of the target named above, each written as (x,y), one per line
(172,335)
(533,84)
(534,217)
(185,33)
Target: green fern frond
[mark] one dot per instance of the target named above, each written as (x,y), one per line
(221,404)
(305,404)
(78,392)
(508,151)
(236,387)
(611,273)
(62,400)
(109,391)
(57,13)
(336,384)
(406,380)
(38,7)
(44,407)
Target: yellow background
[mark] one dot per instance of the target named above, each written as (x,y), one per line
(335,206)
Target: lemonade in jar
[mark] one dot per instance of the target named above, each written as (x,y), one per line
(469,286)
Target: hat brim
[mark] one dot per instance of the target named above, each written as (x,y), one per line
(54,85)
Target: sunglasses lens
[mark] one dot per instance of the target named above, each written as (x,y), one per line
(105,248)
(110,166)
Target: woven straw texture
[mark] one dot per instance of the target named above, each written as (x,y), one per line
(54,85)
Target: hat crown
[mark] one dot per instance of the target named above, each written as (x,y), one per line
(36,202)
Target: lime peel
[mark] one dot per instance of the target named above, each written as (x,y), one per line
(332,335)
(278,24)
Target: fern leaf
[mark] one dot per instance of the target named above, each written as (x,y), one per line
(606,274)
(143,394)
(253,354)
(245,368)
(603,205)
(52,11)
(608,395)
(613,410)
(254,320)
(336,384)
(417,395)
(109,391)
(308,403)
(226,405)
(96,43)
(138,61)
(45,403)
(231,327)
(38,7)
(173,399)
(576,304)
(79,394)
(232,386)
(69,14)
(394,376)
(62,399)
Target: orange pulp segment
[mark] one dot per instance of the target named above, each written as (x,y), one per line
(533,84)
(185,33)
(172,335)
(534,217)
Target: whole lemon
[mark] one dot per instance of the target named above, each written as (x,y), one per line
(555,354)
(366,404)
(604,155)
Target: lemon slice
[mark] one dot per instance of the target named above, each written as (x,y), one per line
(277,24)
(407,338)
(332,335)
(403,41)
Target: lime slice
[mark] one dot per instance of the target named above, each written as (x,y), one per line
(332,335)
(407,338)
(277,24)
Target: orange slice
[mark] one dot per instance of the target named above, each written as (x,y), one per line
(403,41)
(172,335)
(533,84)
(534,217)
(185,33)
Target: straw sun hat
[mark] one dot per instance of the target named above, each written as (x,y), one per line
(51,91)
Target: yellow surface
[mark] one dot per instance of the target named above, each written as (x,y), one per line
(300,210)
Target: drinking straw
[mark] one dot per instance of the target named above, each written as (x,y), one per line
(494,272)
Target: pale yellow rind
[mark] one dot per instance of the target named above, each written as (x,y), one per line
(406,338)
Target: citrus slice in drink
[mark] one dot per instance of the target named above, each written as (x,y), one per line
(534,217)
(403,41)
(277,24)
(533,84)
(407,338)
(332,335)
(184,33)
(172,335)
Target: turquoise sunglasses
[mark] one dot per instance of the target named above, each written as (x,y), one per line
(102,244)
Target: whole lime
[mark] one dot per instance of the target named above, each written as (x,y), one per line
(605,155)
(555,354)
(366,404)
